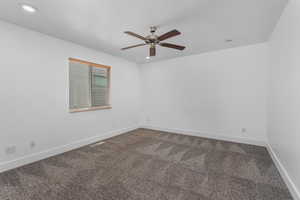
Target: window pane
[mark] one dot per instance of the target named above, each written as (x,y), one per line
(100,81)
(99,87)
(79,93)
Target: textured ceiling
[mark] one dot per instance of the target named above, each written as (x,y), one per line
(99,24)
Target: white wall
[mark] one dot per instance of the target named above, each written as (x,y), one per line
(34,93)
(216,93)
(284,96)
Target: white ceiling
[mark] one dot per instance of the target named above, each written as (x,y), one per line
(99,24)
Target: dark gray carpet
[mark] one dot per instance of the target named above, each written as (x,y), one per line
(150,165)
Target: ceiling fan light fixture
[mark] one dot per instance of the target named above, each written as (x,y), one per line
(153,40)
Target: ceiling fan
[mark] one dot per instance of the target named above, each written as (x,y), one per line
(152,40)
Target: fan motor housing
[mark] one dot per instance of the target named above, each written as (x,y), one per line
(152,39)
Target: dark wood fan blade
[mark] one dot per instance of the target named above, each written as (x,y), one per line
(168,35)
(152,51)
(173,46)
(135,35)
(138,45)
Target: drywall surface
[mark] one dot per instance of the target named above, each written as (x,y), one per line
(284,95)
(221,93)
(34,94)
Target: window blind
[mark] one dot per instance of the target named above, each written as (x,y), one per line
(99,86)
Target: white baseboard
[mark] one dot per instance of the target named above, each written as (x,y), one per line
(4,166)
(211,136)
(284,174)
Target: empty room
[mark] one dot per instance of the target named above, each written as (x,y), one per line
(150,100)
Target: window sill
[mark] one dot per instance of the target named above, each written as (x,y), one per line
(89,109)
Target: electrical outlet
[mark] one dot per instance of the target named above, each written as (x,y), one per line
(10,150)
(32,144)
(244,130)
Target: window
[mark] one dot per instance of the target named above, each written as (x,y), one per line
(89,86)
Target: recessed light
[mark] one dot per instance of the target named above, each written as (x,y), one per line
(228,40)
(28,8)
(148,57)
